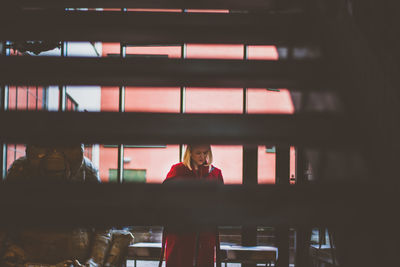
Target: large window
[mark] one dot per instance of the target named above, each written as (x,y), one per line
(157,160)
(23,98)
(150,163)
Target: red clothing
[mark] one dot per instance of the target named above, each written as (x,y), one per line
(180,247)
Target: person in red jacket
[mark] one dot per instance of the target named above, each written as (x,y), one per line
(181,247)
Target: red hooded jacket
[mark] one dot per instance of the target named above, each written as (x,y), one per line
(180,247)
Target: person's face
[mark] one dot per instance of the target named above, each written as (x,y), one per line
(199,154)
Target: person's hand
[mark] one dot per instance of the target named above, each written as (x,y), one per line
(76,263)
(70,263)
(91,263)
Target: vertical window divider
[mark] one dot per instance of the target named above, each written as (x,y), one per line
(282,178)
(16,108)
(44,97)
(121,108)
(182,108)
(16,97)
(303,233)
(62,89)
(37,97)
(4,98)
(27,97)
(250,169)
(245,57)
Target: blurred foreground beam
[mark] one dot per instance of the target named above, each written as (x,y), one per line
(184,205)
(175,4)
(161,72)
(160,27)
(310,130)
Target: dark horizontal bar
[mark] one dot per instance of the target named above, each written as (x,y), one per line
(159,27)
(161,72)
(322,130)
(196,204)
(207,4)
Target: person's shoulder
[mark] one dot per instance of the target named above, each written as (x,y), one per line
(91,172)
(19,170)
(216,173)
(177,170)
(178,166)
(215,169)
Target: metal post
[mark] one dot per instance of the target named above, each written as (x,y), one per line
(27,97)
(182,108)
(3,147)
(282,178)
(250,177)
(62,90)
(250,168)
(16,97)
(37,97)
(245,89)
(303,233)
(301,166)
(3,107)
(121,108)
(44,101)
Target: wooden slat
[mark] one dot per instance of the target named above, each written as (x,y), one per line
(69,205)
(321,130)
(207,4)
(161,72)
(159,27)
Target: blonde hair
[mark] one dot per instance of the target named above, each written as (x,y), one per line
(187,157)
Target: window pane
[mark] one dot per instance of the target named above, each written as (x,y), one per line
(215,51)
(276,101)
(12,98)
(107,160)
(267,161)
(266,165)
(168,51)
(214,100)
(154,10)
(160,51)
(53,98)
(156,161)
(17,97)
(14,151)
(207,10)
(292,164)
(110,49)
(230,160)
(85,98)
(149,99)
(262,52)
(109,98)
(27,97)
